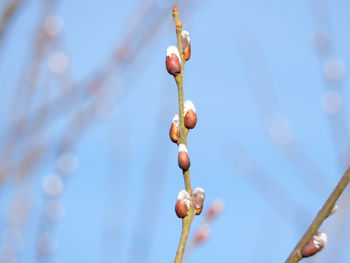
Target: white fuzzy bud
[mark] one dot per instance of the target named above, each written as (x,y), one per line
(182,148)
(188,105)
(173,50)
(185,196)
(320,240)
(198,197)
(176,120)
(334,209)
(186,40)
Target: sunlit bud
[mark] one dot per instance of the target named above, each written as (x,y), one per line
(173,61)
(183,158)
(181,209)
(186,44)
(190,119)
(175,9)
(174,131)
(316,244)
(199,211)
(198,199)
(190,115)
(215,208)
(178,25)
(202,233)
(183,203)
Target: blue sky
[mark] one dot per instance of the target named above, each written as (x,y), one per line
(264,142)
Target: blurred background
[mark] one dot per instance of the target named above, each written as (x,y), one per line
(87,170)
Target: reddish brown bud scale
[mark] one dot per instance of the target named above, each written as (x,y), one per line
(315,244)
(183,158)
(190,115)
(175,8)
(183,203)
(181,208)
(174,133)
(199,211)
(187,53)
(309,249)
(173,65)
(184,161)
(190,119)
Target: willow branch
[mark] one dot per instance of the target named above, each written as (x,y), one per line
(296,256)
(187,220)
(7,15)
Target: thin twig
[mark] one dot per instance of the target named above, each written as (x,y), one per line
(187,220)
(6,16)
(295,256)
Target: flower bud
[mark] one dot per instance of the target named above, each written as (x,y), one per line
(186,44)
(198,197)
(183,203)
(316,244)
(190,115)
(183,158)
(181,209)
(199,211)
(173,61)
(174,131)
(215,208)
(202,233)
(175,9)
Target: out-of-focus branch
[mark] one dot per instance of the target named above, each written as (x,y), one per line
(22,99)
(335,108)
(277,195)
(202,234)
(277,126)
(296,256)
(146,222)
(5,18)
(69,97)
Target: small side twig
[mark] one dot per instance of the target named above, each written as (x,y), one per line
(296,256)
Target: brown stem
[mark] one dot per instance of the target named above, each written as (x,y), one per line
(6,16)
(187,220)
(295,256)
